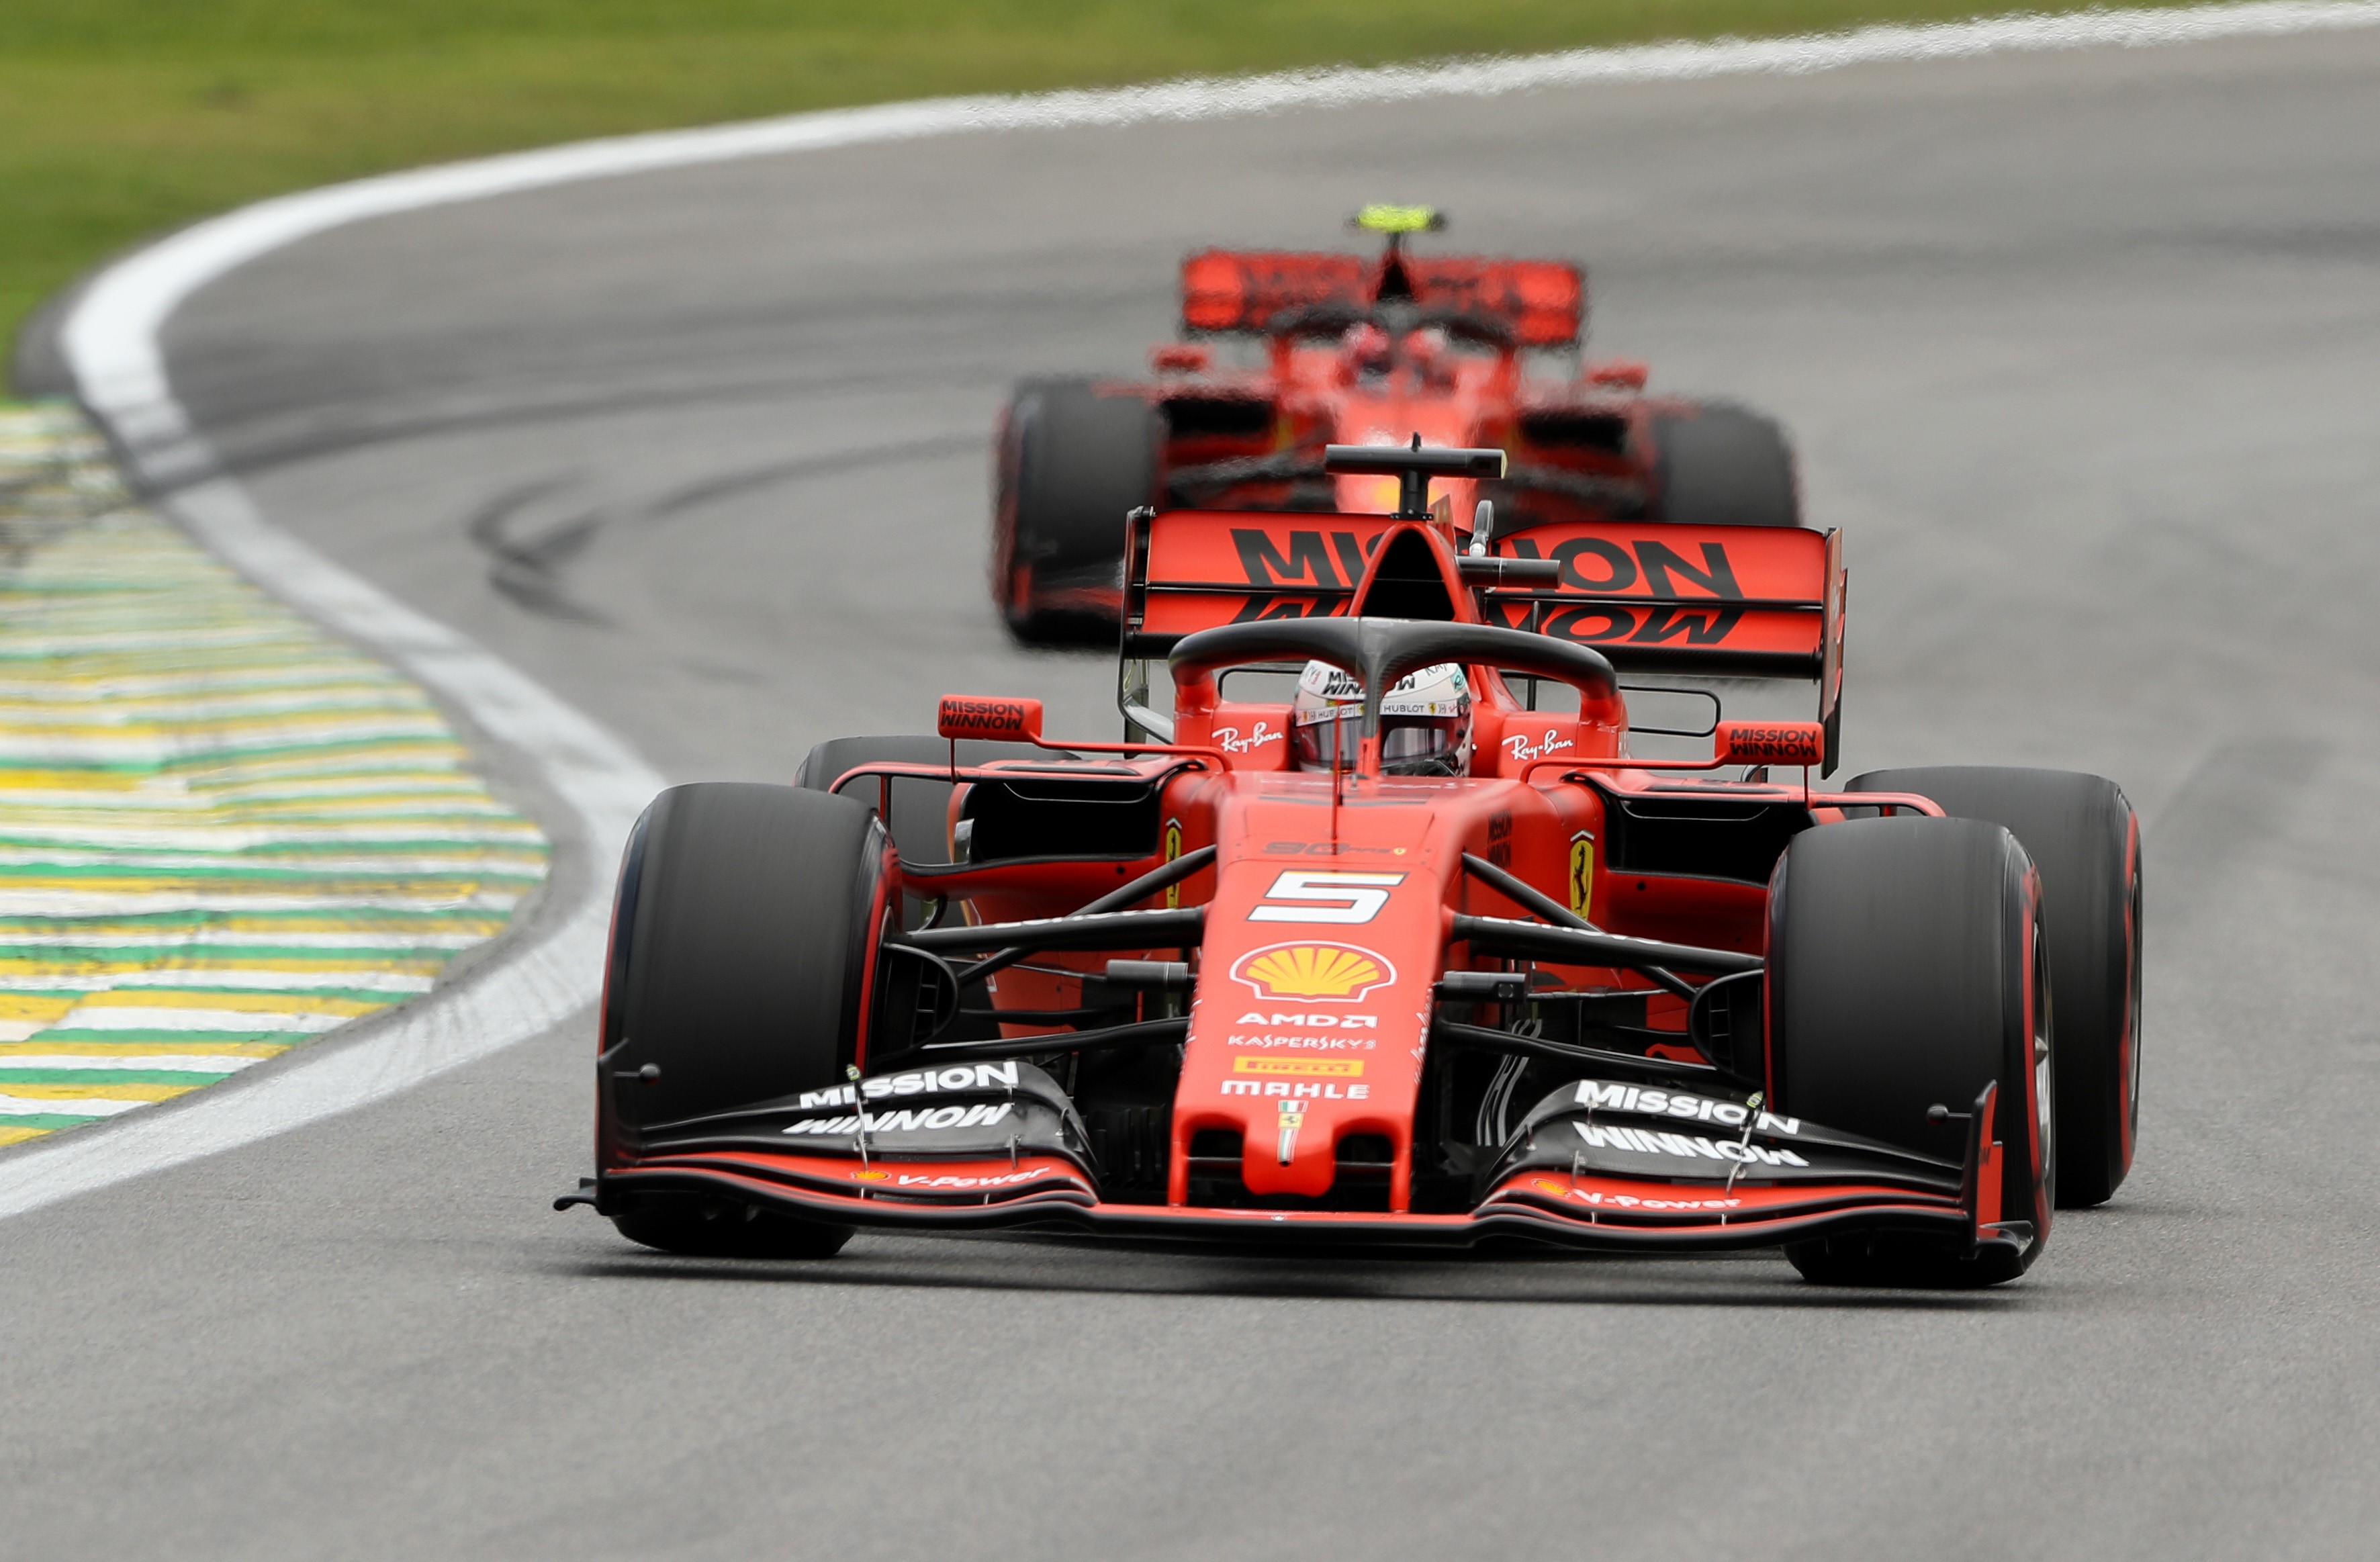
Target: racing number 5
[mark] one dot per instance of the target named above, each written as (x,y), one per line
(1326,897)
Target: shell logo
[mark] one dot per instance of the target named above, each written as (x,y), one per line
(1338,973)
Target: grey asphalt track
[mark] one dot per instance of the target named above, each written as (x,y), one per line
(2079,350)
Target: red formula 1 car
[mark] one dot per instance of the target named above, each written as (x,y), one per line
(1360,351)
(1255,974)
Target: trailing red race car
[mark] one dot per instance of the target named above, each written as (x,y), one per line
(1405,945)
(1359,351)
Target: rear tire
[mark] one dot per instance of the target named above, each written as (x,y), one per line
(745,919)
(2082,835)
(1905,971)
(1074,459)
(1724,465)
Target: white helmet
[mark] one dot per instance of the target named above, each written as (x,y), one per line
(1425,720)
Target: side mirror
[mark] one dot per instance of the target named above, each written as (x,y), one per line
(989,716)
(1181,357)
(1771,743)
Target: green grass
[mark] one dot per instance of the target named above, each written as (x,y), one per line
(119,118)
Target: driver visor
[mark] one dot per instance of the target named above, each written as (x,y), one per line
(1331,743)
(1420,745)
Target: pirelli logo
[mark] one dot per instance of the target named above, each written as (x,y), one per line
(1302,1068)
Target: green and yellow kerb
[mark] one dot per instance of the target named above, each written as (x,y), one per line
(222,832)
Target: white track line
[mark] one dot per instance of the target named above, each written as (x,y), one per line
(112,342)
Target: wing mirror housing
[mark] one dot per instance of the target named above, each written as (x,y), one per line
(1181,357)
(1771,743)
(996,717)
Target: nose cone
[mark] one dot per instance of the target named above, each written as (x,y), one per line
(1290,1135)
(1314,993)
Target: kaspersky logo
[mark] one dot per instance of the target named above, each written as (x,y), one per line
(1324,973)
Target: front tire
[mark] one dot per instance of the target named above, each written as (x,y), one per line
(1906,970)
(746,922)
(691,1226)
(2081,834)
(1072,459)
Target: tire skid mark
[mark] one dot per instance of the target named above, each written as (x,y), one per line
(525,565)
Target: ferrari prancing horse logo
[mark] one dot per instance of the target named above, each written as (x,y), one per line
(1582,871)
(1172,850)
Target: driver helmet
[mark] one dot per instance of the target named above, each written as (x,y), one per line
(1426,351)
(1425,720)
(1365,349)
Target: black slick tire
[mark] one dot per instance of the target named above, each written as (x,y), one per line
(745,919)
(1905,972)
(1723,465)
(2082,837)
(1073,457)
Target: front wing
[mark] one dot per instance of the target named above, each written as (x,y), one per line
(1581,1210)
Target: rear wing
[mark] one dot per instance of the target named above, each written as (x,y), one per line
(1711,602)
(1543,303)
(1189,570)
(1729,601)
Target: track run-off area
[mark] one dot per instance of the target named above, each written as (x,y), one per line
(690,463)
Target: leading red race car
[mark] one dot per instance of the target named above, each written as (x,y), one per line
(1424,952)
(1361,351)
